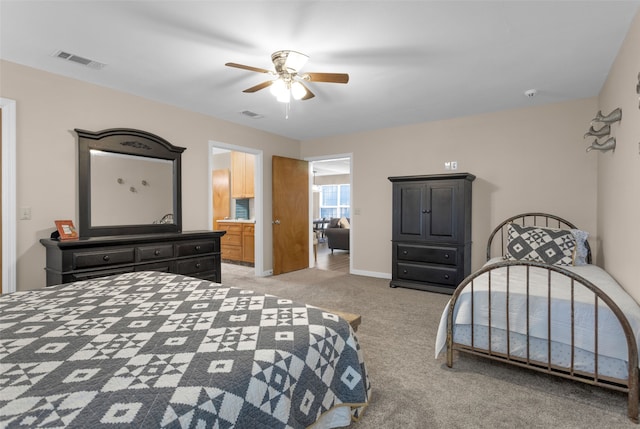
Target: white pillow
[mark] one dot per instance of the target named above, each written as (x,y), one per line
(344,223)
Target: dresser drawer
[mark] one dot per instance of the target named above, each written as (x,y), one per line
(428,273)
(195,265)
(248,229)
(101,258)
(429,254)
(150,253)
(195,248)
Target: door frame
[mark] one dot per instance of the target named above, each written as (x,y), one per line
(311,159)
(8,195)
(258,203)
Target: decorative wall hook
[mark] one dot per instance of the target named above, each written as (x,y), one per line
(603,131)
(120,180)
(145,183)
(608,144)
(132,189)
(612,117)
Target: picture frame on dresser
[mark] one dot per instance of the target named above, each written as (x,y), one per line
(66,230)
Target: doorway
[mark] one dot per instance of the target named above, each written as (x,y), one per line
(331,198)
(246,208)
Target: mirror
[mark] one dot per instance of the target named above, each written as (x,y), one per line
(129,183)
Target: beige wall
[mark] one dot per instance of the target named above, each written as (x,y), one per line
(619,171)
(529,159)
(50,106)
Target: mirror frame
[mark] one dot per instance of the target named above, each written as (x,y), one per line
(130,142)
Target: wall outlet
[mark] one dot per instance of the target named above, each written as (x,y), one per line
(454,165)
(447,165)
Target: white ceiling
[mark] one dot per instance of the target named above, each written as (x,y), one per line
(408,61)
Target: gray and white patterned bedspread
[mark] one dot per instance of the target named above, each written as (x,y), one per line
(149,349)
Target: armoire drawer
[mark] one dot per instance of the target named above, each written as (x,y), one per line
(150,253)
(190,248)
(101,258)
(195,265)
(429,254)
(428,273)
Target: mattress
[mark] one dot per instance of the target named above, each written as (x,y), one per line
(150,349)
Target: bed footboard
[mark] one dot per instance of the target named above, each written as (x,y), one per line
(487,295)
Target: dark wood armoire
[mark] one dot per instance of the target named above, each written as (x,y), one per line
(431,231)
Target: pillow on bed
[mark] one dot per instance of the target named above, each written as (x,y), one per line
(546,245)
(581,248)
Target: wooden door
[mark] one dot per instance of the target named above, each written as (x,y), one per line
(221,200)
(290,188)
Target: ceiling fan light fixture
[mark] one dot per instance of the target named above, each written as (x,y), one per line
(295,60)
(297,90)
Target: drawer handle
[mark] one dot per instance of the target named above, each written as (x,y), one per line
(106,258)
(157,252)
(198,265)
(404,252)
(446,256)
(405,272)
(198,248)
(446,276)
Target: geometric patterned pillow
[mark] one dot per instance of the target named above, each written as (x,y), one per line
(546,245)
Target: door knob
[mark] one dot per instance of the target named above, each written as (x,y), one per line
(276,222)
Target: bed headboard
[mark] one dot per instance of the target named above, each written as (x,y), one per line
(528,219)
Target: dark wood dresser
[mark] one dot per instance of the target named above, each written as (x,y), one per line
(431,231)
(195,254)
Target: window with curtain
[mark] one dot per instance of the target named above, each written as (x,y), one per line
(334,201)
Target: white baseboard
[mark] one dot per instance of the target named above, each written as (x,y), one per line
(371,274)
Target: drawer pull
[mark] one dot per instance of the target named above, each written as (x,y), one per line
(446,256)
(198,248)
(198,265)
(106,258)
(405,272)
(446,276)
(404,252)
(156,252)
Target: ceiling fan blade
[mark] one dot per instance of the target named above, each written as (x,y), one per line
(242,66)
(259,86)
(309,94)
(327,77)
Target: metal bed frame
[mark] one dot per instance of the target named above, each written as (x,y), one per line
(630,385)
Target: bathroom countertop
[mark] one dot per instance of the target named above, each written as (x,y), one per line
(238,220)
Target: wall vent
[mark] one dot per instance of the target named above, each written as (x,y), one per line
(250,114)
(79,60)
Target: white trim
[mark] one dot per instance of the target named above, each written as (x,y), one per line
(258,204)
(371,274)
(8,195)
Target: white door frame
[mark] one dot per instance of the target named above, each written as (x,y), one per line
(8,195)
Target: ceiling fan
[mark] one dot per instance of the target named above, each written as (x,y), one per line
(288,80)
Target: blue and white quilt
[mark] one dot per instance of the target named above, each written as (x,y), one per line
(150,349)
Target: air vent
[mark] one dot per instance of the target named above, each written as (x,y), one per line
(250,114)
(78,59)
